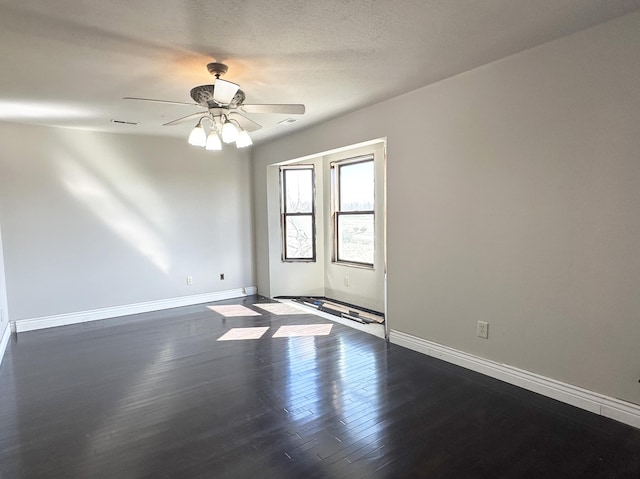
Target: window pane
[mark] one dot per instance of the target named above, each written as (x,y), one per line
(355,238)
(299,237)
(356,186)
(299,194)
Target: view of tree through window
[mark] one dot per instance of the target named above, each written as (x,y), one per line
(354,211)
(298,213)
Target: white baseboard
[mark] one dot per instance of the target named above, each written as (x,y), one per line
(4,341)
(251,290)
(32,324)
(617,409)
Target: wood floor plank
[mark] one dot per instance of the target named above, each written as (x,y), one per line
(157,395)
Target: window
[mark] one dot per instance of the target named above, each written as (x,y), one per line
(353,190)
(298,213)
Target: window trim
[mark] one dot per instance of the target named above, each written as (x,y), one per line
(284,215)
(336,213)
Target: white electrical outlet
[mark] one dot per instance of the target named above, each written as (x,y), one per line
(483,329)
(189,279)
(346,280)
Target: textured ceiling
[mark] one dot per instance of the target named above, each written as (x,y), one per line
(70,62)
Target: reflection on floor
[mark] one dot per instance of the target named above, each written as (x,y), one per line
(156,395)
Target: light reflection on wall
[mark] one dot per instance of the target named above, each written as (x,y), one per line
(116,195)
(21,110)
(117,170)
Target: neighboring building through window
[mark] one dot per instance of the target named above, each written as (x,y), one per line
(353,215)
(297,209)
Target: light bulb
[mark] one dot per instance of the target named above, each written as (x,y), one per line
(229,132)
(243,139)
(197,136)
(213,141)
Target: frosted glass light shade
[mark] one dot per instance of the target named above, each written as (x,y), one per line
(229,132)
(213,141)
(243,140)
(197,136)
(224,91)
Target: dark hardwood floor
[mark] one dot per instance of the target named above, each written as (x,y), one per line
(158,396)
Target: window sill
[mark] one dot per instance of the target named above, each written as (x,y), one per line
(354,265)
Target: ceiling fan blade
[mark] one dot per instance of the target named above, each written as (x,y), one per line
(224,91)
(185,118)
(287,109)
(160,101)
(245,122)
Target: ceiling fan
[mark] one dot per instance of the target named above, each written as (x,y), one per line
(222,112)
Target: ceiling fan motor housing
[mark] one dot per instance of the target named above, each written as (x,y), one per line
(203,96)
(217,69)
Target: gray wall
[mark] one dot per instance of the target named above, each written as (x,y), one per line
(4,309)
(513,198)
(93,220)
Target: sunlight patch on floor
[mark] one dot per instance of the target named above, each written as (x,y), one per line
(232,310)
(374,329)
(277,308)
(303,330)
(239,334)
